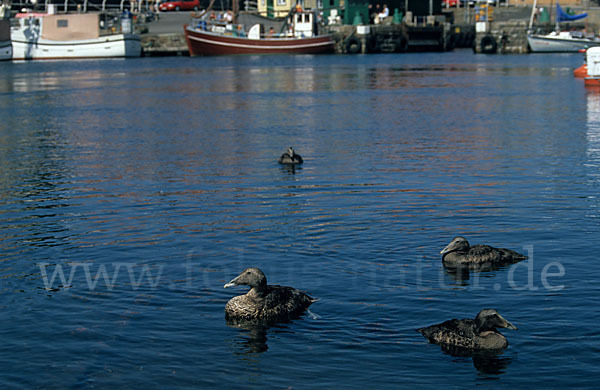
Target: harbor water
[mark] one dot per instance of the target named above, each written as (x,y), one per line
(132,190)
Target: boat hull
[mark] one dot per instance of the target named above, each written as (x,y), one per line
(117,45)
(5,50)
(205,43)
(581,72)
(547,44)
(592,82)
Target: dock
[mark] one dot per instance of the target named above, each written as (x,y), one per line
(164,37)
(501,31)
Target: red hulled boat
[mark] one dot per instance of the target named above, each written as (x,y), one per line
(298,37)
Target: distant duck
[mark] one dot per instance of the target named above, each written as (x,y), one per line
(290,157)
(264,303)
(459,253)
(469,334)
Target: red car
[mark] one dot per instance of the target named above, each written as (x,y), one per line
(180,5)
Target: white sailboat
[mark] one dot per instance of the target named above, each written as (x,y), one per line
(560,41)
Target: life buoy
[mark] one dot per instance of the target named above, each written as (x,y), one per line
(401,44)
(488,45)
(353,45)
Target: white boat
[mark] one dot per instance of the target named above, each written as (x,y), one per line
(560,41)
(40,36)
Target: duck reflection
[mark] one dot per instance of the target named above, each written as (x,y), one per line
(290,169)
(253,338)
(490,362)
(462,273)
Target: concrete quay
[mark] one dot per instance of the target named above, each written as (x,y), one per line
(505,33)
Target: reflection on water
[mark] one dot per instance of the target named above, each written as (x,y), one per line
(462,273)
(593,125)
(252,338)
(486,362)
(167,167)
(290,168)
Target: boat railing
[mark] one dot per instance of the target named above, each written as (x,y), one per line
(64,6)
(218,27)
(250,5)
(232,29)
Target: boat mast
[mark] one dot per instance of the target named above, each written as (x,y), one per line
(532,14)
(235,9)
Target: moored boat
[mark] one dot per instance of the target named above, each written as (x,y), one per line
(592,58)
(38,36)
(561,41)
(581,71)
(298,36)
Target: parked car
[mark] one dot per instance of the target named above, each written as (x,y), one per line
(180,5)
(473,3)
(449,3)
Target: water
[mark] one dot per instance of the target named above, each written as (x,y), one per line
(131,191)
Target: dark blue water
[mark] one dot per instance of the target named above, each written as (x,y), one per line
(131,191)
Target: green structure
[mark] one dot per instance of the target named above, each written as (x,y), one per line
(356,10)
(351,11)
(328,5)
(397,17)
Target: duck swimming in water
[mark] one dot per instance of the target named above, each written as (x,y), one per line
(290,157)
(264,303)
(469,334)
(460,254)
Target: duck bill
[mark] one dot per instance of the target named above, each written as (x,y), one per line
(508,325)
(233,283)
(447,249)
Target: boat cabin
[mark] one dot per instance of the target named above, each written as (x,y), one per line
(298,24)
(303,24)
(61,27)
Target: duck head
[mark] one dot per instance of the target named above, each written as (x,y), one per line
(458,244)
(490,319)
(291,152)
(252,277)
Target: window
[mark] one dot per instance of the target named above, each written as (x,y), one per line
(281,2)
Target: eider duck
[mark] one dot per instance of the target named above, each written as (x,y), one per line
(264,303)
(460,254)
(290,157)
(477,334)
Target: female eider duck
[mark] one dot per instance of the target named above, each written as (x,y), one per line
(264,303)
(476,334)
(459,253)
(290,157)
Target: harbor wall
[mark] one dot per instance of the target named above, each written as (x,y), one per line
(506,32)
(508,28)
